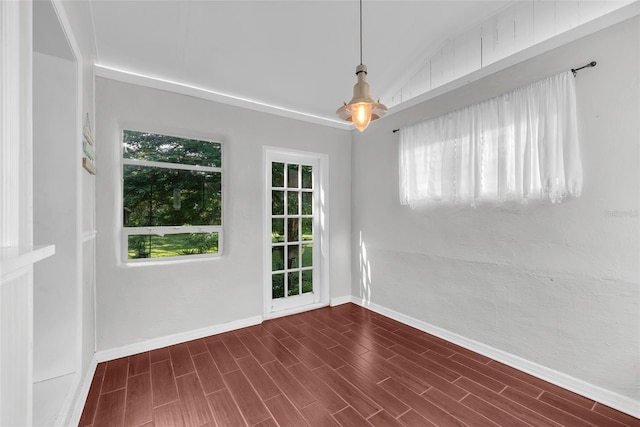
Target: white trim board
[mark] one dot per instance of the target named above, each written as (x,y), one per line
(600,395)
(612,18)
(83,394)
(152,344)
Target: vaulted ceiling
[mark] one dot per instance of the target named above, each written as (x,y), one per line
(295,55)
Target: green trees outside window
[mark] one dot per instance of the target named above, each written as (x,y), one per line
(172,195)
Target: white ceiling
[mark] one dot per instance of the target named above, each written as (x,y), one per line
(296,55)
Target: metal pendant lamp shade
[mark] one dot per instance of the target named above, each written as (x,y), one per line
(362,109)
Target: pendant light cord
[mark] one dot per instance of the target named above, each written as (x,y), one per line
(360,32)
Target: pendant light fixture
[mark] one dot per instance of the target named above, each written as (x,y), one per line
(362,109)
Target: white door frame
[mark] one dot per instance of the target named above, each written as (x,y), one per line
(321,238)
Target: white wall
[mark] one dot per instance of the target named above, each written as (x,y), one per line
(55,216)
(557,285)
(143,302)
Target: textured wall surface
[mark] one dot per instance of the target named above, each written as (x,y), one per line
(557,285)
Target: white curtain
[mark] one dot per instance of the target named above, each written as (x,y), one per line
(518,146)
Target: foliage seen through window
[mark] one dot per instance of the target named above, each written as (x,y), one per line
(171,182)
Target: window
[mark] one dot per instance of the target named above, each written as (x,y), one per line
(518,146)
(172,196)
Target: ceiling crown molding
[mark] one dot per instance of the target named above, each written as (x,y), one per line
(202,93)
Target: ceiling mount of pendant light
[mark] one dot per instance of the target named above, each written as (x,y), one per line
(362,109)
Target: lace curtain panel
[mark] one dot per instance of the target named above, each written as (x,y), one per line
(520,145)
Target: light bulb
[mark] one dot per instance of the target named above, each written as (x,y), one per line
(361,115)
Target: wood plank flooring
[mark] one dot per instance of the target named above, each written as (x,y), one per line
(338,366)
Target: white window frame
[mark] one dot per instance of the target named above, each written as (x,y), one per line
(321,297)
(164,230)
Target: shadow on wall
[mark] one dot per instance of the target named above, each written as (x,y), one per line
(365,274)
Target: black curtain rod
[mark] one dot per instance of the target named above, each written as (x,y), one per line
(589,65)
(573,70)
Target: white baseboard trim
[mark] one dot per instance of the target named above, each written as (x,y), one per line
(603,396)
(81,397)
(152,344)
(340,300)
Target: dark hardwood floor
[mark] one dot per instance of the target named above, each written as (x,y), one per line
(339,366)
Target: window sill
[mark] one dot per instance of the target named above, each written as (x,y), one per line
(142,262)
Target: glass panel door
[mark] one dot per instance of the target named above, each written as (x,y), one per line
(293,221)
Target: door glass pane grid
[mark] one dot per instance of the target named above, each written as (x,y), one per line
(306,202)
(292,229)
